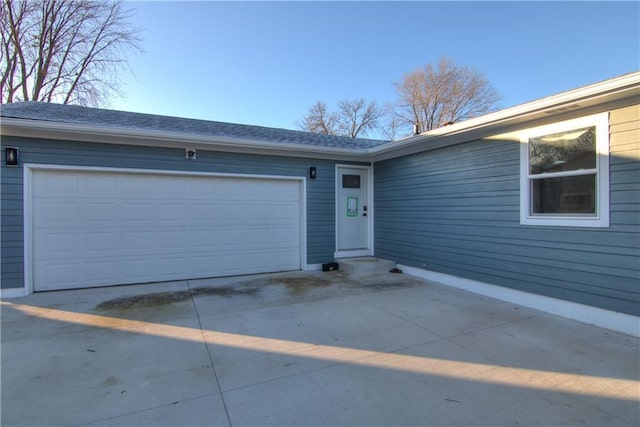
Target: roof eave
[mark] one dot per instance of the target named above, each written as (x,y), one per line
(614,93)
(102,134)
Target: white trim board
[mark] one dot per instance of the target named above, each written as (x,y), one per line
(619,322)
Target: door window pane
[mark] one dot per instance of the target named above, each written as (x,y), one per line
(350,181)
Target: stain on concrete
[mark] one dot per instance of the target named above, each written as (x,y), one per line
(296,286)
(112,380)
(386,285)
(300,283)
(225,291)
(164,298)
(306,281)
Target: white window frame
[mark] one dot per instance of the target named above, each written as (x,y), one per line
(601,219)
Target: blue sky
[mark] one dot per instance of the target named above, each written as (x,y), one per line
(266,63)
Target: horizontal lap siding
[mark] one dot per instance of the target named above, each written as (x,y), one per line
(456,211)
(320,192)
(11,242)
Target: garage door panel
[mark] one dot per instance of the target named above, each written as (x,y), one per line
(61,184)
(202,211)
(95,211)
(134,186)
(56,245)
(136,240)
(201,189)
(104,228)
(49,213)
(97,243)
(134,212)
(98,185)
(58,275)
(202,265)
(170,213)
(169,186)
(137,269)
(171,239)
(100,270)
(170,266)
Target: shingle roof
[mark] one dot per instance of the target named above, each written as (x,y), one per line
(74,114)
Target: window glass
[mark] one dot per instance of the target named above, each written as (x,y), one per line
(566,195)
(565,151)
(350,181)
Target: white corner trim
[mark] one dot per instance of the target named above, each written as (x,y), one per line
(620,322)
(13,293)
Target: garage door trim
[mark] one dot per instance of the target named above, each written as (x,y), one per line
(30,168)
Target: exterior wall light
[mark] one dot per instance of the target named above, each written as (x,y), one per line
(312,172)
(190,153)
(11,156)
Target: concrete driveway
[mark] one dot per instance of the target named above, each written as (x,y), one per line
(307,348)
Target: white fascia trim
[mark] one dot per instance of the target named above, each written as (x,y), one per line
(620,322)
(108,135)
(562,102)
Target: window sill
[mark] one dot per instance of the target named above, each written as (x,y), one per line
(566,222)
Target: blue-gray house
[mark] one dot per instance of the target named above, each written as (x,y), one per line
(537,204)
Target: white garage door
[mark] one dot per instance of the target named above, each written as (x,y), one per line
(97,228)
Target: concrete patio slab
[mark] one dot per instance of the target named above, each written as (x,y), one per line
(306,348)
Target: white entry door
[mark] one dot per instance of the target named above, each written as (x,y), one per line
(100,228)
(352,209)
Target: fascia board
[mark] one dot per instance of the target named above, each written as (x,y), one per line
(609,93)
(77,132)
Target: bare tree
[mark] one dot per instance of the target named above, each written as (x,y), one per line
(67,51)
(353,118)
(357,117)
(320,120)
(446,93)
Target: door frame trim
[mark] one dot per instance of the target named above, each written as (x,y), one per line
(370,212)
(27,210)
